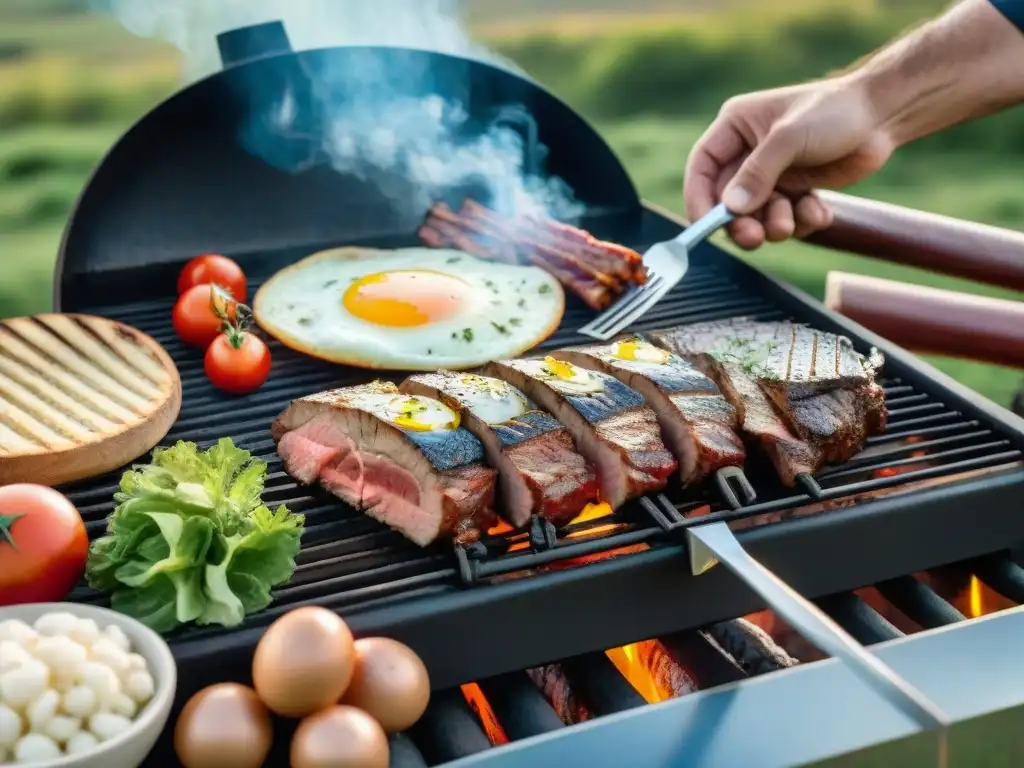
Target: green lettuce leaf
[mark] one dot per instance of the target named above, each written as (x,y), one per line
(191,540)
(240,582)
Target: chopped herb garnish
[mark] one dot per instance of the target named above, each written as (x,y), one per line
(453,260)
(467,334)
(521,303)
(745,353)
(430,351)
(329,283)
(544,289)
(500,328)
(515,322)
(305,321)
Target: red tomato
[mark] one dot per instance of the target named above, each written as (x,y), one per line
(195,316)
(43,545)
(216,269)
(237,362)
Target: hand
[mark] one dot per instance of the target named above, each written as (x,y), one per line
(767,151)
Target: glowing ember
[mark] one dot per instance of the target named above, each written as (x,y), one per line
(500,528)
(904,468)
(649,668)
(478,702)
(976,605)
(593,512)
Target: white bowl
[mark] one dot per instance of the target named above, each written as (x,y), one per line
(130,748)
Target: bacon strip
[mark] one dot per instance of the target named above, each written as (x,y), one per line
(596,271)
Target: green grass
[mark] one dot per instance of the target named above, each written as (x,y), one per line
(71,82)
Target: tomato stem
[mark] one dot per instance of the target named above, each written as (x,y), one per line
(6,521)
(243,316)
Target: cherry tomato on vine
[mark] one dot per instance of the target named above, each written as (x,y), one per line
(201,313)
(237,362)
(43,545)
(216,269)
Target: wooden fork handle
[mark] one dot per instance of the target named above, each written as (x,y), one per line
(932,320)
(942,244)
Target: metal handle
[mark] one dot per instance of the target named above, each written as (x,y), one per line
(716,543)
(705,226)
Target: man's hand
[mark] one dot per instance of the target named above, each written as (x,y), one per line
(766,151)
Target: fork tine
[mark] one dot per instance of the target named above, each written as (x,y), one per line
(642,307)
(613,320)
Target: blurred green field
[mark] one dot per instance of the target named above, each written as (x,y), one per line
(71,82)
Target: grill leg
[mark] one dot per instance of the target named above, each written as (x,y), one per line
(1018,402)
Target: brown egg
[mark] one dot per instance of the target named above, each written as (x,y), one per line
(223,726)
(340,737)
(390,683)
(303,662)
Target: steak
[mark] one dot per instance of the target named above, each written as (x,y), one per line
(596,271)
(402,460)
(539,470)
(609,422)
(814,418)
(791,361)
(697,423)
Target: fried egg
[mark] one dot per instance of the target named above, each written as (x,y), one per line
(409,309)
(493,401)
(417,414)
(563,377)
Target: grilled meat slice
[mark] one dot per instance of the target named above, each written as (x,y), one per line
(539,470)
(791,361)
(404,461)
(790,455)
(697,423)
(609,422)
(596,271)
(799,431)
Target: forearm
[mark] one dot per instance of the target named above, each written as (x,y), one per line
(966,64)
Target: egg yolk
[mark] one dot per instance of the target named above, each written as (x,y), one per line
(559,368)
(640,351)
(405,298)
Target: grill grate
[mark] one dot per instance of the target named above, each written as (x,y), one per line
(350,562)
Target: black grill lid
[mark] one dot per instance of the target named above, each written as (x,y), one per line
(193,175)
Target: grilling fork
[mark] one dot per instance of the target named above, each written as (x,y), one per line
(666,265)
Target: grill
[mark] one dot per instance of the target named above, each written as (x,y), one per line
(941,486)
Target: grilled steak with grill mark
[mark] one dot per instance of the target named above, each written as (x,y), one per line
(799,431)
(790,360)
(539,470)
(697,423)
(424,484)
(609,422)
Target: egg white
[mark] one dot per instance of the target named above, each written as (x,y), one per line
(578,383)
(491,400)
(421,414)
(508,310)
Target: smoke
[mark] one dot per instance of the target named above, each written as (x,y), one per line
(371,116)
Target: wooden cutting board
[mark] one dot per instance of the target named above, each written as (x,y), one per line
(79,396)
